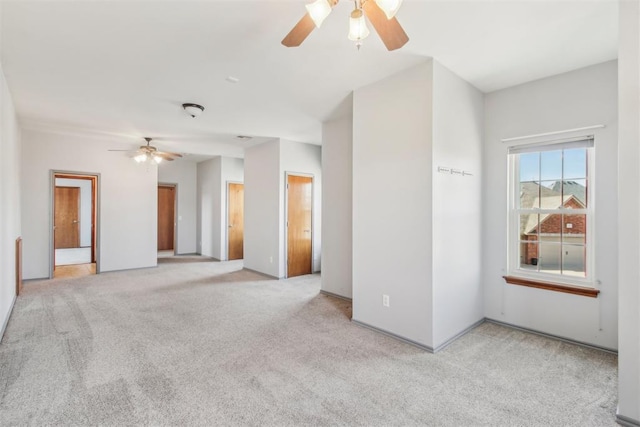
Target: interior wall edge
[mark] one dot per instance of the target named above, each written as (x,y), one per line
(555,337)
(626,421)
(6,320)
(424,347)
(334,295)
(460,334)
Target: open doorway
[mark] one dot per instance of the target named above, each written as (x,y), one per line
(74,219)
(166,220)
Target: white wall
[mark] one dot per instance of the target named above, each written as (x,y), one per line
(212,178)
(127,209)
(572,100)
(337,179)
(209,207)
(629,213)
(85,206)
(232,171)
(262,203)
(265,166)
(9,200)
(183,173)
(392,136)
(458,126)
(296,157)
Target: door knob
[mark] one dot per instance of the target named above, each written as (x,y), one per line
(75,221)
(230,225)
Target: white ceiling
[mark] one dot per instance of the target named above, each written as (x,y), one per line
(125,67)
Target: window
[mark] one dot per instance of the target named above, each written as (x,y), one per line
(551,212)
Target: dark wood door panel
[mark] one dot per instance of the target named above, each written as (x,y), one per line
(299,226)
(66,217)
(236,221)
(166,217)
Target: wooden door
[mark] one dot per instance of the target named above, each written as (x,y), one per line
(299,231)
(236,221)
(66,219)
(166,217)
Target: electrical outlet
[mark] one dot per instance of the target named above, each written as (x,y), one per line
(385,300)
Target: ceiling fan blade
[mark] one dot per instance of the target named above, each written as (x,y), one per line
(166,155)
(300,32)
(389,30)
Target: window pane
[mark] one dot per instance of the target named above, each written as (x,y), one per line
(529,167)
(529,255)
(574,230)
(551,225)
(551,165)
(551,234)
(578,189)
(551,194)
(550,259)
(573,260)
(529,195)
(575,163)
(529,226)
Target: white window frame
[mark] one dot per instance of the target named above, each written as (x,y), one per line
(514,212)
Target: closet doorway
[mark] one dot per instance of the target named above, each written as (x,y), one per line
(74,219)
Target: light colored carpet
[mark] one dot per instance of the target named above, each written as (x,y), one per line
(195,342)
(73,256)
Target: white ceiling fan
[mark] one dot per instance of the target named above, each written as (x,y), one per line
(150,153)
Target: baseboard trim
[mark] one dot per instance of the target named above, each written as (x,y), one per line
(626,421)
(261,273)
(6,321)
(35,279)
(459,335)
(392,335)
(331,294)
(555,337)
(203,256)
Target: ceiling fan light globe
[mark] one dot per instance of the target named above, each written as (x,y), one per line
(318,11)
(358,26)
(157,159)
(389,7)
(140,158)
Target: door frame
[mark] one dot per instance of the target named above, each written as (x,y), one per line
(225,256)
(175,214)
(95,213)
(286,219)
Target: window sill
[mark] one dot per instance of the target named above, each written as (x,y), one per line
(568,289)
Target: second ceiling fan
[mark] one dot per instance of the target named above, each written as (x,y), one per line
(379,12)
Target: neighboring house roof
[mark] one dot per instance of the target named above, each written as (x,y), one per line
(573,188)
(530,191)
(549,202)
